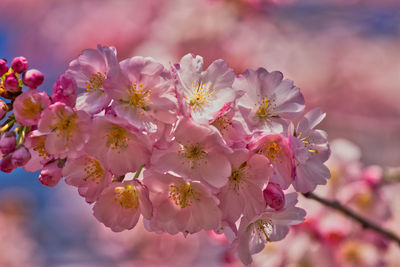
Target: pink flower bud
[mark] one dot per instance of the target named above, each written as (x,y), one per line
(21,156)
(3,109)
(7,142)
(51,174)
(11,83)
(33,78)
(65,90)
(19,64)
(6,164)
(274,196)
(3,67)
(372,175)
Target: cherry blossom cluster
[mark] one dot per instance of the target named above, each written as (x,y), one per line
(186,148)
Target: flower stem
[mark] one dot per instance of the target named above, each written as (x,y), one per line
(139,171)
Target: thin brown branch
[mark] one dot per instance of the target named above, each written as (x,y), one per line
(367,224)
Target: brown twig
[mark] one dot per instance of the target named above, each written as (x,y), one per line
(334,204)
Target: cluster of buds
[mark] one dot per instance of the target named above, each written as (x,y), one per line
(187,149)
(13,152)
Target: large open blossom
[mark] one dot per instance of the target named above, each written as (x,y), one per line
(268,99)
(268,226)
(204,93)
(243,194)
(310,148)
(89,71)
(142,93)
(198,153)
(120,205)
(118,145)
(179,205)
(29,105)
(66,129)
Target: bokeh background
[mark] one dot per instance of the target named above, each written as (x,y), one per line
(343,54)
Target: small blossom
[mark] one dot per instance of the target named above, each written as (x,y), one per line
(67,130)
(20,156)
(179,205)
(120,205)
(11,83)
(32,78)
(7,142)
(51,174)
(29,105)
(89,175)
(19,64)
(89,71)
(65,90)
(3,67)
(268,99)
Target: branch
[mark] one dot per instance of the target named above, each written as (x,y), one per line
(334,204)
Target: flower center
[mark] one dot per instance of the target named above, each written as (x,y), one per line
(93,170)
(265,109)
(262,228)
(272,150)
(237,177)
(308,143)
(183,194)
(201,94)
(222,123)
(38,146)
(138,98)
(117,138)
(127,197)
(65,125)
(31,108)
(95,82)
(194,153)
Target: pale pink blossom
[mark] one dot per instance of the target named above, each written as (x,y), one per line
(276,148)
(66,129)
(35,141)
(204,93)
(89,175)
(118,145)
(65,90)
(120,205)
(142,93)
(89,71)
(268,100)
(243,193)
(310,149)
(198,153)
(268,226)
(179,205)
(29,105)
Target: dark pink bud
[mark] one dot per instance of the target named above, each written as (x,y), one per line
(19,64)
(21,156)
(274,196)
(3,67)
(65,90)
(7,142)
(11,83)
(6,164)
(51,174)
(372,175)
(32,78)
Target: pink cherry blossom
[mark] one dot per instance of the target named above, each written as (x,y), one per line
(120,205)
(268,226)
(198,153)
(65,90)
(66,129)
(243,192)
(268,99)
(142,93)
(179,205)
(29,105)
(204,93)
(276,148)
(35,142)
(51,173)
(118,145)
(311,150)
(89,175)
(89,71)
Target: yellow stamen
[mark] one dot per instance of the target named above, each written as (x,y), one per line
(272,150)
(138,98)
(127,197)
(31,108)
(265,109)
(66,124)
(95,82)
(38,146)
(194,153)
(117,138)
(93,170)
(201,94)
(183,194)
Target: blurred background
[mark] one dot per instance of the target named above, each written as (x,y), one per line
(343,54)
